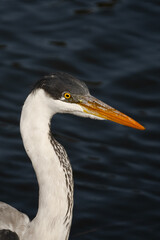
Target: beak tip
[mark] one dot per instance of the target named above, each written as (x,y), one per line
(142,128)
(138,126)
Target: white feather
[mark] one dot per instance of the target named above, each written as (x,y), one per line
(48,224)
(35,119)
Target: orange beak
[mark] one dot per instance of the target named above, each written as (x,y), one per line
(97,108)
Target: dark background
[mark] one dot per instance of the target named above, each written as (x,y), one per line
(115,47)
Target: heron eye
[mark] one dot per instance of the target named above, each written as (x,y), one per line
(67,95)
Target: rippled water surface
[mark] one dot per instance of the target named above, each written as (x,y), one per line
(115,47)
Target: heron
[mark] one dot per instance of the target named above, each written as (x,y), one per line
(55,93)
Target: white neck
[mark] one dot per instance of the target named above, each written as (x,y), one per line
(50,222)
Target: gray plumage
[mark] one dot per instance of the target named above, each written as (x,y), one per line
(13,220)
(56,84)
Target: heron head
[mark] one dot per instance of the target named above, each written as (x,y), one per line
(67,94)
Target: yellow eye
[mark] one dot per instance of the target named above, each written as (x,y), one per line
(67,95)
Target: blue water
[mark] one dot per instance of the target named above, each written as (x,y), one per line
(115,47)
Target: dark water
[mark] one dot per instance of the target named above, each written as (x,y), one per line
(115,47)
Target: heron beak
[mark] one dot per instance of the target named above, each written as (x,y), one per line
(97,108)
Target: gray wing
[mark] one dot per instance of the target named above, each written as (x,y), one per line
(13,220)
